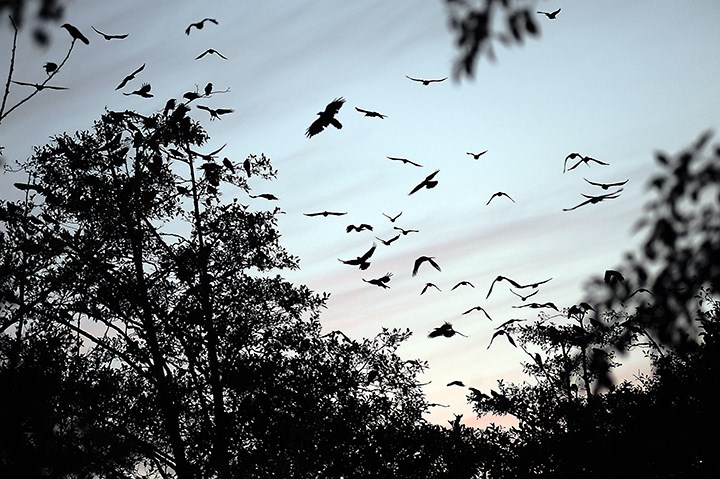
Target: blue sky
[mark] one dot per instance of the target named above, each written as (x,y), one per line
(614,80)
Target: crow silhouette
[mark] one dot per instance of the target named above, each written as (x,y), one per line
(571,156)
(371,113)
(381,281)
(50,67)
(641,290)
(192,95)
(591,200)
(478,308)
(524,298)
(199,25)
(75,33)
(429,285)
(360,227)
(551,15)
(169,106)
(228,164)
(586,160)
(110,37)
(404,160)
(498,194)
(607,186)
(423,259)
(143,91)
(129,77)
(267,196)
(428,183)
(209,156)
(215,113)
(456,383)
(463,283)
(538,306)
(476,155)
(326,117)
(361,261)
(326,213)
(405,232)
(39,86)
(446,330)
(211,51)
(246,166)
(501,332)
(612,276)
(514,283)
(388,242)
(392,218)
(424,81)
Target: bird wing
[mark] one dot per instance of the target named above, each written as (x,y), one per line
(416,265)
(435,265)
(368,253)
(203,107)
(417,187)
(432,175)
(202,54)
(315,127)
(414,79)
(334,106)
(578,205)
(362,111)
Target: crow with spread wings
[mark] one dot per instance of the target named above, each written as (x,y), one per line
(325,118)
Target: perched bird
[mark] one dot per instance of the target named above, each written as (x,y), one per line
(325,118)
(429,285)
(388,242)
(208,89)
(424,81)
(595,199)
(199,25)
(169,106)
(612,276)
(579,309)
(191,95)
(463,283)
(405,232)
(50,67)
(110,37)
(478,308)
(211,51)
(228,164)
(39,86)
(404,160)
(423,259)
(523,298)
(515,283)
(246,166)
(538,306)
(215,113)
(129,77)
(392,218)
(326,213)
(477,155)
(456,383)
(606,186)
(143,91)
(498,194)
(446,330)
(551,15)
(501,332)
(361,261)
(75,33)
(428,183)
(360,227)
(371,113)
(267,196)
(381,281)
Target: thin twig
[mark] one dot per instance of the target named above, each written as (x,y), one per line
(10,70)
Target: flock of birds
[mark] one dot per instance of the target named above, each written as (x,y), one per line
(329,116)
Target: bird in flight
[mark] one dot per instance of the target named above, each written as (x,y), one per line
(371,113)
(445,330)
(524,298)
(199,25)
(361,261)
(404,160)
(267,196)
(595,199)
(515,283)
(392,218)
(39,86)
(211,51)
(463,283)
(476,155)
(110,37)
(424,81)
(360,227)
(143,91)
(404,232)
(209,156)
(606,186)
(612,276)
(428,182)
(583,159)
(429,285)
(215,113)
(456,383)
(326,213)
(478,308)
(388,242)
(423,259)
(497,194)
(538,306)
(75,33)
(381,281)
(325,118)
(551,15)
(129,77)
(501,332)
(641,290)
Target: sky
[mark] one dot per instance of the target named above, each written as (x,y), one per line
(614,80)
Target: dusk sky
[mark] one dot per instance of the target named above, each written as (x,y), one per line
(614,80)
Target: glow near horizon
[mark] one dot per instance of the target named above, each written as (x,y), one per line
(616,81)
